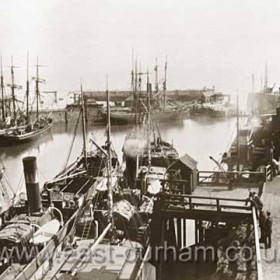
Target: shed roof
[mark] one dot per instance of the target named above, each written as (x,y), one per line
(186,160)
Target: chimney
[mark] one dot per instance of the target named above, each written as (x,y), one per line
(32,184)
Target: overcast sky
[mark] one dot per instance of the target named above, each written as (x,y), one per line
(207,42)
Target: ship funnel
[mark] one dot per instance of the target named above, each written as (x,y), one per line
(32,184)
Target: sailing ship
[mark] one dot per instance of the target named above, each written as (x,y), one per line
(26,132)
(144,150)
(55,211)
(162,111)
(9,117)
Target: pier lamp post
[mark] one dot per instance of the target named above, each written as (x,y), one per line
(59,212)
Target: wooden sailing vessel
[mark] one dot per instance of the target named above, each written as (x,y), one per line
(29,131)
(9,115)
(161,111)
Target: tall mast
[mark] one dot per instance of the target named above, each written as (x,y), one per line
(156,77)
(165,81)
(2,92)
(140,79)
(156,81)
(132,73)
(149,121)
(27,89)
(13,89)
(136,94)
(37,90)
(109,162)
(253,94)
(265,76)
(83,128)
(266,85)
(237,139)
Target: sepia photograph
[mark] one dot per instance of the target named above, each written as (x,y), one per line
(139,140)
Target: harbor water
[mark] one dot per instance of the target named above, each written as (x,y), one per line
(200,137)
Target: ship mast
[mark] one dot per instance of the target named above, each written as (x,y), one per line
(237,139)
(83,128)
(13,89)
(2,92)
(132,73)
(253,94)
(109,163)
(164,82)
(136,94)
(156,81)
(37,90)
(149,121)
(27,89)
(265,77)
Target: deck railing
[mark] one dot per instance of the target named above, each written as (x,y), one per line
(192,202)
(229,177)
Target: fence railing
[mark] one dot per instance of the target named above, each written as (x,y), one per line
(229,177)
(192,202)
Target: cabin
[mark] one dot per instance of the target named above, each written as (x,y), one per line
(214,97)
(186,169)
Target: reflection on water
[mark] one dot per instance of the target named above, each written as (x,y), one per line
(200,137)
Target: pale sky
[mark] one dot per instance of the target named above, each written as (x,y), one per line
(207,42)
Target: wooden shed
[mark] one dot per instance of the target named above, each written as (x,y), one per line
(187,168)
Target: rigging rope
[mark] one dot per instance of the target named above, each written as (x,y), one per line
(73,139)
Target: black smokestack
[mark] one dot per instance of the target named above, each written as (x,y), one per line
(32,184)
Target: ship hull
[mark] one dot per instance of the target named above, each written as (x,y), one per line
(11,140)
(158,116)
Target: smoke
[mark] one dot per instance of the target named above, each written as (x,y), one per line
(134,147)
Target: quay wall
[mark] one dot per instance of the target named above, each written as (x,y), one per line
(93,115)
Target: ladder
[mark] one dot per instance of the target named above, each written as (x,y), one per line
(86,230)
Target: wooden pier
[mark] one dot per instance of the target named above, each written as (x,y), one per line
(231,208)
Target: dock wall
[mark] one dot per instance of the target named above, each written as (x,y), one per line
(71,116)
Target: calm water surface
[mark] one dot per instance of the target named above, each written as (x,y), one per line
(200,137)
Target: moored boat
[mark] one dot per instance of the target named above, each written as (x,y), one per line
(29,131)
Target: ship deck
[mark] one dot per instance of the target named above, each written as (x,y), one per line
(103,261)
